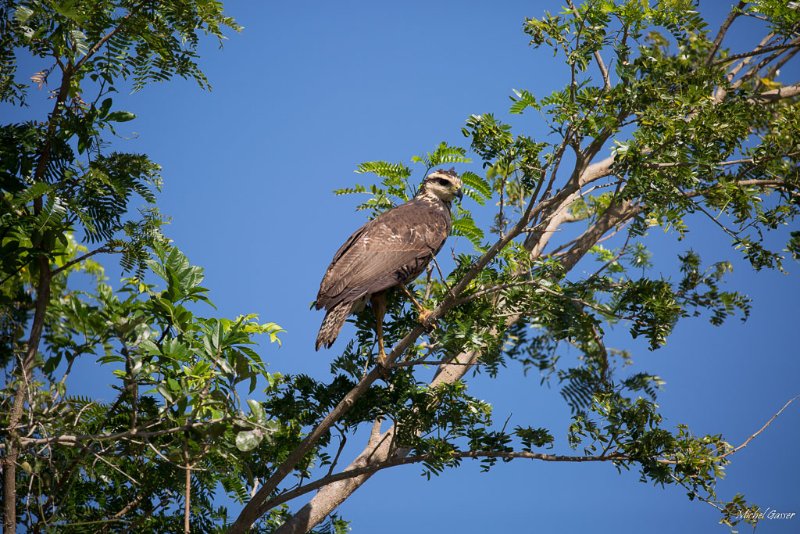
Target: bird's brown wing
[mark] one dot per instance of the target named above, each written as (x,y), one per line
(389,250)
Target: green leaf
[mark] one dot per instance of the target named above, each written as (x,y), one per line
(445,155)
(22,14)
(256,409)
(120,116)
(522,100)
(465,226)
(479,184)
(247,440)
(148,347)
(79,41)
(384,169)
(105,107)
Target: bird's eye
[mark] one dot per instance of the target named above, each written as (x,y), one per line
(441,181)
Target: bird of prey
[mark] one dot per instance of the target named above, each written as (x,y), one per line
(389,251)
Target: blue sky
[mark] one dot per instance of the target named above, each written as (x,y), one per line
(309,90)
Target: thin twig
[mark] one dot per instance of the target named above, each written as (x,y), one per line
(442,277)
(755,434)
(734,13)
(411,363)
(342,443)
(99,250)
(99,44)
(756,52)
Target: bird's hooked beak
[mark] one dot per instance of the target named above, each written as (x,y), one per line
(460,194)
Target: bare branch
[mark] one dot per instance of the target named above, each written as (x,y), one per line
(139,433)
(755,434)
(406,460)
(617,213)
(734,13)
(772,61)
(721,92)
(603,70)
(342,443)
(788,91)
(412,363)
(128,507)
(746,61)
(187,504)
(100,250)
(757,52)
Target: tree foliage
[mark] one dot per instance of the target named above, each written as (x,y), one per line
(660,127)
(696,133)
(176,422)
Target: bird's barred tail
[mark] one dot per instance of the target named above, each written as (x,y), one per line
(332,323)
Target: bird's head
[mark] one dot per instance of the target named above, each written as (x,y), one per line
(445,185)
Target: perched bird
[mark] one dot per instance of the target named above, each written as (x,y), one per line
(389,251)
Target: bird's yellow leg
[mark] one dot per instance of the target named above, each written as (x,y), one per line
(379,310)
(424,313)
(381,350)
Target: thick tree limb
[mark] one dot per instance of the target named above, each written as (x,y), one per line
(617,213)
(788,91)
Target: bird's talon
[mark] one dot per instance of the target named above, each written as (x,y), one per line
(424,319)
(383,365)
(382,359)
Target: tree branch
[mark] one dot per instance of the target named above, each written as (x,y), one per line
(187,507)
(103,40)
(768,97)
(734,13)
(139,433)
(603,70)
(406,460)
(100,250)
(757,52)
(758,432)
